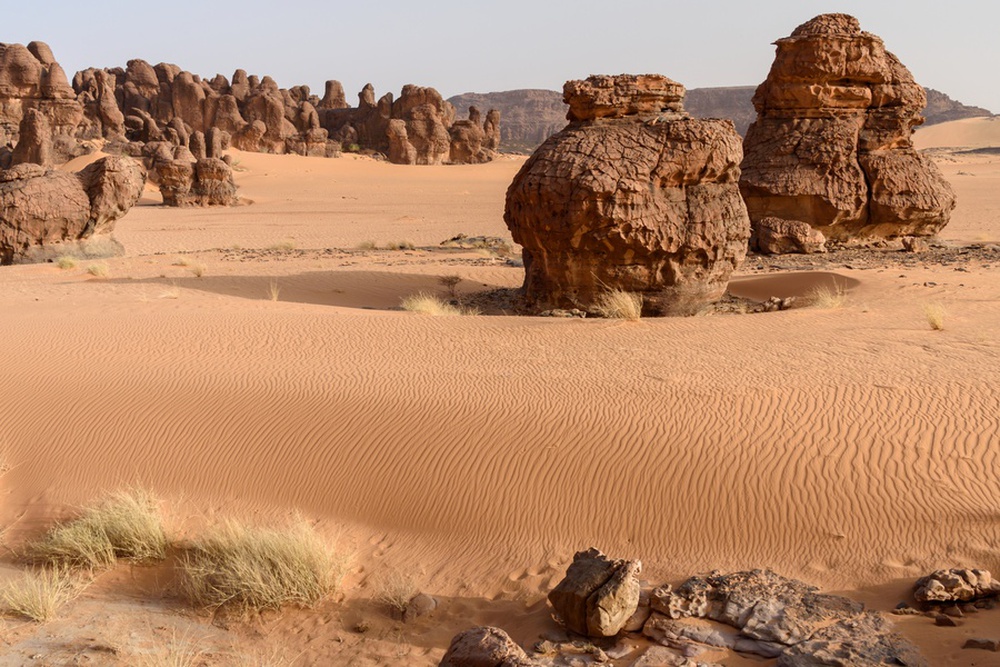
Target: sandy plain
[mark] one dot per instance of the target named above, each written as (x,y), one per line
(853,447)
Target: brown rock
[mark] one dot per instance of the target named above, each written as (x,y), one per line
(831,145)
(774,236)
(176,178)
(334,97)
(249,138)
(196,144)
(35,142)
(485,647)
(401,151)
(983,644)
(113,184)
(956,585)
(491,128)
(622,95)
(213,183)
(110,116)
(598,595)
(643,203)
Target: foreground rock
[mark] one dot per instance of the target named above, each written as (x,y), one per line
(777,618)
(46,213)
(598,595)
(832,146)
(485,647)
(956,586)
(634,195)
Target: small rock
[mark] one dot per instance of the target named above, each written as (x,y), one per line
(421,605)
(945,621)
(984,644)
(914,244)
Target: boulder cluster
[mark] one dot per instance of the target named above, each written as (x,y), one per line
(755,613)
(633,194)
(46,213)
(831,146)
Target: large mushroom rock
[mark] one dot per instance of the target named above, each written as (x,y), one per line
(633,194)
(780,618)
(832,146)
(598,595)
(44,213)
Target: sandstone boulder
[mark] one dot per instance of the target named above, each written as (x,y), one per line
(956,585)
(598,595)
(832,146)
(485,647)
(43,211)
(774,236)
(35,142)
(646,202)
(203,182)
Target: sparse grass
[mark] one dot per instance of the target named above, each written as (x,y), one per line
(428,304)
(66,262)
(935,314)
(127,524)
(284,246)
(98,270)
(38,594)
(171,293)
(182,262)
(394,589)
(368,245)
(252,569)
(400,245)
(198,270)
(273,290)
(619,304)
(825,297)
(178,652)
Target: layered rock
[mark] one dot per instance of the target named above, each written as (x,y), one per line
(44,212)
(831,145)
(598,595)
(634,195)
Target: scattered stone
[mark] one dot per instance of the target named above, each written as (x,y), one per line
(598,595)
(983,644)
(485,647)
(420,605)
(832,141)
(914,244)
(956,585)
(945,621)
(634,195)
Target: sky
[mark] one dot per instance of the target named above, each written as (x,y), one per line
(473,46)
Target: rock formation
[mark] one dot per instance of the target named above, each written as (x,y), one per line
(475,140)
(831,145)
(632,195)
(44,213)
(774,236)
(956,586)
(485,647)
(598,595)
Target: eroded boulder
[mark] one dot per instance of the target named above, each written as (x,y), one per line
(956,585)
(774,236)
(485,647)
(634,195)
(832,146)
(598,595)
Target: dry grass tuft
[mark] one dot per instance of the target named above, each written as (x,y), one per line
(251,569)
(450,283)
(619,304)
(935,314)
(368,245)
(428,304)
(39,594)
(98,270)
(178,652)
(827,297)
(283,246)
(66,262)
(198,270)
(273,290)
(394,589)
(127,524)
(400,245)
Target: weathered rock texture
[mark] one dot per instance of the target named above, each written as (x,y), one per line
(778,618)
(774,236)
(485,647)
(45,212)
(633,194)
(598,595)
(956,586)
(831,145)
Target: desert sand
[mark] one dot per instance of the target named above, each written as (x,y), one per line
(852,447)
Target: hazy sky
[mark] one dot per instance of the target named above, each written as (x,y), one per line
(470,46)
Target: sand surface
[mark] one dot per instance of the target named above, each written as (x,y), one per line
(851,447)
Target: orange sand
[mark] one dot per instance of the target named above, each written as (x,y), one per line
(853,447)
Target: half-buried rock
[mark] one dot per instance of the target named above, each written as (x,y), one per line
(632,195)
(598,595)
(832,146)
(46,213)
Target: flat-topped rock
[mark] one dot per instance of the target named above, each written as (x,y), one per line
(604,96)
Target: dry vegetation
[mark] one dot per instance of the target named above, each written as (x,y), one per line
(428,304)
(394,589)
(66,262)
(935,314)
(250,569)
(619,304)
(827,297)
(125,525)
(38,594)
(98,270)
(273,290)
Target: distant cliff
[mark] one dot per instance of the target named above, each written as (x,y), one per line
(529,117)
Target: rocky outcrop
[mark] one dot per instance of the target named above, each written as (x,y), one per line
(956,586)
(831,145)
(44,213)
(475,141)
(777,618)
(598,595)
(638,197)
(485,647)
(203,182)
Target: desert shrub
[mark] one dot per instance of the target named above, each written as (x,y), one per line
(935,313)
(428,304)
(273,290)
(823,296)
(127,524)
(98,270)
(619,304)
(66,262)
(251,569)
(394,589)
(38,594)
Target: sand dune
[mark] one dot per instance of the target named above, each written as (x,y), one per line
(965,133)
(850,447)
